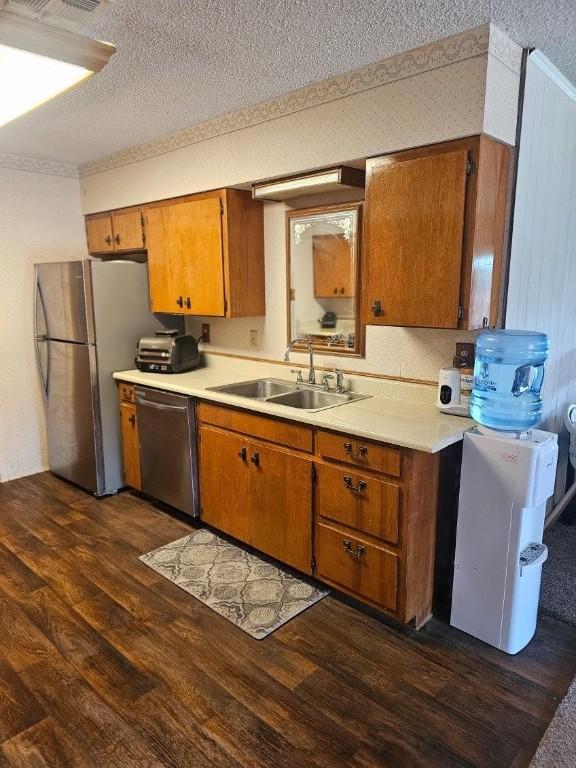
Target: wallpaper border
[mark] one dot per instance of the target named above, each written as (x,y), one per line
(464,45)
(37,165)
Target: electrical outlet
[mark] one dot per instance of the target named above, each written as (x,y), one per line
(253,337)
(206,333)
(466,352)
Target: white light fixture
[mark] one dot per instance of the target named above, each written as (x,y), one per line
(37,62)
(310,184)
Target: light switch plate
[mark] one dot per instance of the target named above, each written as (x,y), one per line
(206,333)
(253,337)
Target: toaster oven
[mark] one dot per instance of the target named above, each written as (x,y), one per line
(167,352)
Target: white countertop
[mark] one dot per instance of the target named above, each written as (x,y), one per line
(398,413)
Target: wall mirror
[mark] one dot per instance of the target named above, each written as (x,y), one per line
(323,255)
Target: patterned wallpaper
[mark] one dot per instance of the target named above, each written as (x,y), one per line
(40,221)
(465,45)
(424,96)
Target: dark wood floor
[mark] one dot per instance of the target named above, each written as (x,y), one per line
(105,663)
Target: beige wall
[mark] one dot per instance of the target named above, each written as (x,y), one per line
(40,220)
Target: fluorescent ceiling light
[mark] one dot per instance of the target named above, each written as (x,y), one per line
(310,184)
(38,62)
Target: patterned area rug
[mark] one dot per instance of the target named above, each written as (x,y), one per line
(253,594)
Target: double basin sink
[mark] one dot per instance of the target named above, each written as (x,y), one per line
(289,394)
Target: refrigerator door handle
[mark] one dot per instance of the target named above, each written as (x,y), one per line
(40,298)
(42,338)
(44,379)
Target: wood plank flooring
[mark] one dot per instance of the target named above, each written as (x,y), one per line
(105,663)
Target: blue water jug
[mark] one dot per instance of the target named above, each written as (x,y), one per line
(508,376)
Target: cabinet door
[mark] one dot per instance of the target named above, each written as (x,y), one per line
(128,231)
(185,260)
(414,240)
(281,506)
(130,445)
(224,482)
(99,234)
(333,262)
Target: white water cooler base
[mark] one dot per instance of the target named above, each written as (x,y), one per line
(504,487)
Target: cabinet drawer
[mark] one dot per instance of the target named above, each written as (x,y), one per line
(359,501)
(364,569)
(361,453)
(127,393)
(261,427)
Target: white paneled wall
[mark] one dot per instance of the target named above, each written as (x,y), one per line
(542,289)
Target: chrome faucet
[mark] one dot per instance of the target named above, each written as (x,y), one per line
(303,340)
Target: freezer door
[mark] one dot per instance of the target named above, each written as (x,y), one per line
(63,301)
(72,418)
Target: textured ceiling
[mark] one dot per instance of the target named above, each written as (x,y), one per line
(181,62)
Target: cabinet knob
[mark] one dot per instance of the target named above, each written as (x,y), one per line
(188,302)
(108,240)
(335,290)
(342,290)
(132,420)
(377,310)
(180,301)
(255,459)
(242,454)
(117,238)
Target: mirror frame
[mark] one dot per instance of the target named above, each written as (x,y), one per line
(356,206)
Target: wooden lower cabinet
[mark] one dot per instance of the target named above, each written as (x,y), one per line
(358,515)
(359,566)
(224,481)
(257,493)
(130,445)
(281,501)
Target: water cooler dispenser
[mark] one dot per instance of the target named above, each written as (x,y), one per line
(508,474)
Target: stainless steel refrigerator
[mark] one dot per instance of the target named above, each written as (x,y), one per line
(88,317)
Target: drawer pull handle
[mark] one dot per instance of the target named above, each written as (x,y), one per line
(360,488)
(255,459)
(359,454)
(132,420)
(242,454)
(357,552)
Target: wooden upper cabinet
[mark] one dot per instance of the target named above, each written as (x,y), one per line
(185,257)
(206,255)
(128,230)
(115,231)
(434,236)
(99,234)
(333,265)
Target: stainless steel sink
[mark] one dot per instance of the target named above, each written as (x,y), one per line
(258,389)
(315,399)
(289,394)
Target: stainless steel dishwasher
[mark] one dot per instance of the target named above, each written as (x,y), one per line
(167,430)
